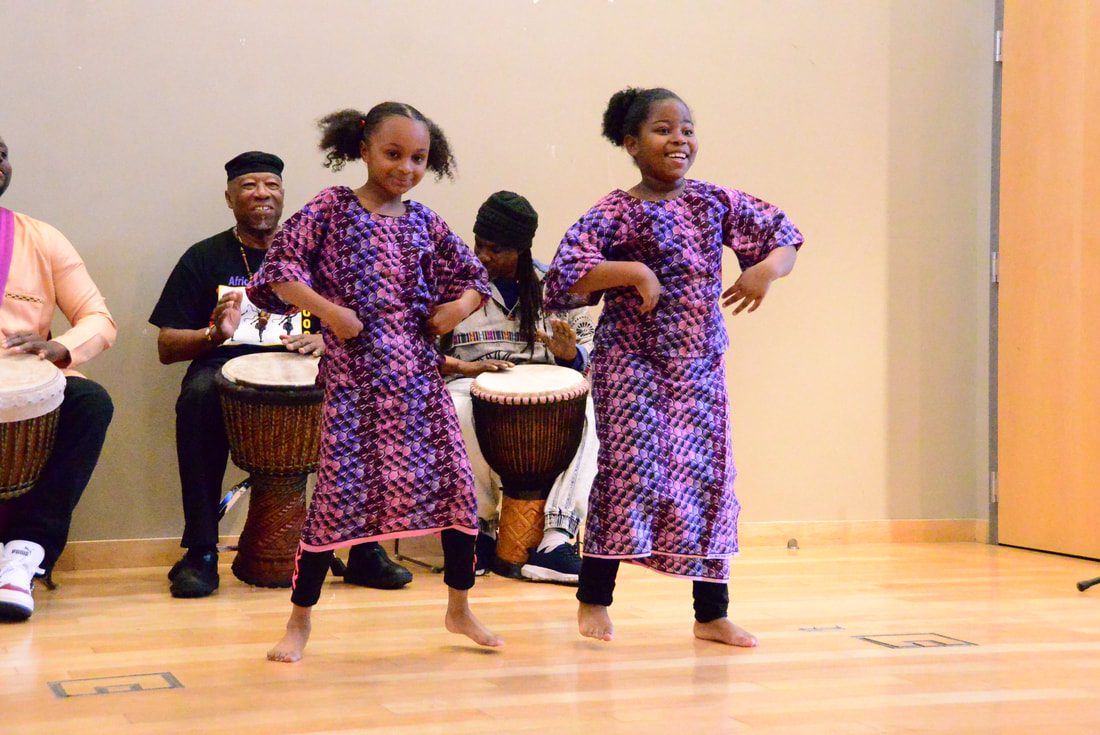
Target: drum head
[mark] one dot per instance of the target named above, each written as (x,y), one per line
(525,383)
(29,387)
(272,370)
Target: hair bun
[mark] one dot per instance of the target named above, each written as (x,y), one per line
(614,118)
(341,134)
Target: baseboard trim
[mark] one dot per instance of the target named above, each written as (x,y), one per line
(823,533)
(163,552)
(126,553)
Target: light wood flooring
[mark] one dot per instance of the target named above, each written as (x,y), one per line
(380,662)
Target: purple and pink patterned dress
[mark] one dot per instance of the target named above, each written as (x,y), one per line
(392,459)
(663,496)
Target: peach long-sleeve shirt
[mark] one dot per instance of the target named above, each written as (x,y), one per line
(47,272)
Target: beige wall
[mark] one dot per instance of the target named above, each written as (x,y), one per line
(858,390)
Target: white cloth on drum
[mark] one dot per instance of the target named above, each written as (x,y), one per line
(29,387)
(567,504)
(273,369)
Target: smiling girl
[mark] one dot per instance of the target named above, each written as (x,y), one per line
(663,495)
(385,275)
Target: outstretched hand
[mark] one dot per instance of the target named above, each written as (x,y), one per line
(473,369)
(749,290)
(227,315)
(304,344)
(562,343)
(31,343)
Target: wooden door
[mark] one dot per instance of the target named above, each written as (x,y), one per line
(1049,300)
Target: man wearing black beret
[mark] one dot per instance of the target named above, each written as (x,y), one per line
(204,317)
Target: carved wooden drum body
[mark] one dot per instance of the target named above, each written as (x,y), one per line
(529,422)
(272,411)
(31,392)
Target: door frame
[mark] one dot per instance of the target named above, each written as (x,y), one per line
(994,251)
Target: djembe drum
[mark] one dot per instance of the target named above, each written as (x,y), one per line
(272,411)
(529,422)
(31,392)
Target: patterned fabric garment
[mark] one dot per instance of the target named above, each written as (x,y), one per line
(681,241)
(663,495)
(392,459)
(664,489)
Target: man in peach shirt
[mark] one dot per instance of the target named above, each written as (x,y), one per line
(40,270)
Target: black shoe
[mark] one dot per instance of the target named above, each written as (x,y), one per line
(484,553)
(370,566)
(561,564)
(195,575)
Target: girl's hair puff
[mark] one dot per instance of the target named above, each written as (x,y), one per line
(628,109)
(344,131)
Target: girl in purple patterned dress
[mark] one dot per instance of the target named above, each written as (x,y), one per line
(663,496)
(384,275)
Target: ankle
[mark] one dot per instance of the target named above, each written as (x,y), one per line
(300,617)
(458,601)
(553,538)
(199,552)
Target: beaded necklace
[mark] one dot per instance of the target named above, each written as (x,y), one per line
(244,254)
(262,317)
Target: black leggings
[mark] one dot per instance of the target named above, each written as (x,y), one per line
(311,567)
(712,600)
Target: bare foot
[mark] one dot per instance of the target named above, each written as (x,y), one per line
(723,630)
(594,621)
(461,620)
(293,643)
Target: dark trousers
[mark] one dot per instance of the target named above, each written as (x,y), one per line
(311,567)
(202,450)
(44,513)
(597,583)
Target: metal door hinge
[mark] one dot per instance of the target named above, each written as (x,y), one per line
(994,269)
(998,46)
(993,486)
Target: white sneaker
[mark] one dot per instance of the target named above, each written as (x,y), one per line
(19,562)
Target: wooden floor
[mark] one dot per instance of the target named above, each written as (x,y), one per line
(380,662)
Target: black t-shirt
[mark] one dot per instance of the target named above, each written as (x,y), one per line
(191,293)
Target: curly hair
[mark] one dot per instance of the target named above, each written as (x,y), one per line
(343,132)
(628,109)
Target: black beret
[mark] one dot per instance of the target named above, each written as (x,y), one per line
(507,219)
(254,162)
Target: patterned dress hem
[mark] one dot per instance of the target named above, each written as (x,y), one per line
(652,562)
(641,562)
(628,557)
(388,536)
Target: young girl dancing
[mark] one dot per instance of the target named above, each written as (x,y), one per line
(663,495)
(384,275)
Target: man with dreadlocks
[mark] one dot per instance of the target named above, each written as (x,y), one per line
(510,329)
